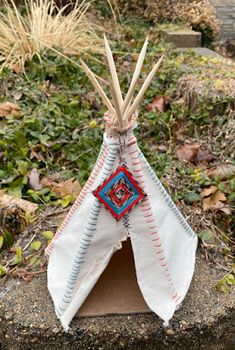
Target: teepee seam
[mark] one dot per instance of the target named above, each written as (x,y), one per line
(160,253)
(168,200)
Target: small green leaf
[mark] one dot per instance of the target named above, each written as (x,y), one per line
(66,201)
(230,279)
(223,288)
(3,271)
(34,196)
(48,235)
(206,235)
(34,261)
(15,191)
(2,174)
(1,241)
(35,245)
(191,197)
(19,253)
(17,258)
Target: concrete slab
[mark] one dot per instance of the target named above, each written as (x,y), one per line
(205,321)
(182,38)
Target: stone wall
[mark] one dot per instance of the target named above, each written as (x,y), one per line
(226,14)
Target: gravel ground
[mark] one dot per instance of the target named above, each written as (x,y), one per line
(206,320)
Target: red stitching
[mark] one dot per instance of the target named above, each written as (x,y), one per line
(147,209)
(158,245)
(150,220)
(178,299)
(154,233)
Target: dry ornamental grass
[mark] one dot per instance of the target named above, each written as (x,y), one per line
(44,27)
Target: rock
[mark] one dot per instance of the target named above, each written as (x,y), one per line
(203,51)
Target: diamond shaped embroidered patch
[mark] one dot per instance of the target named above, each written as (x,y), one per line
(120,192)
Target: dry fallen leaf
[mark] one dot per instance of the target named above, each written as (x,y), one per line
(193,153)
(222,170)
(160,103)
(7,201)
(212,198)
(226,209)
(65,188)
(34,181)
(157,104)
(208,191)
(187,152)
(49,181)
(8,108)
(204,156)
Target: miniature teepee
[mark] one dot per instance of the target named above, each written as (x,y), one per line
(122,199)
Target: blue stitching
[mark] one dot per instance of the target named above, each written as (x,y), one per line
(88,232)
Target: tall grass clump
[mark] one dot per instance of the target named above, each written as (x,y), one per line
(43,27)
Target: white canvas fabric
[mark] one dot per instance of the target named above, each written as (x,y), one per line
(163,243)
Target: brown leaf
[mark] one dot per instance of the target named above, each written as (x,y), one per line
(208,191)
(34,181)
(193,153)
(65,188)
(188,152)
(203,156)
(157,104)
(212,198)
(160,103)
(6,201)
(222,170)
(8,108)
(226,209)
(68,187)
(49,181)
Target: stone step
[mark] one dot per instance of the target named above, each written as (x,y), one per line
(182,37)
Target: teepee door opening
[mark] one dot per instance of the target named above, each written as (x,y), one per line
(117,290)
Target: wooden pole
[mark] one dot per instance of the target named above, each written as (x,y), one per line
(135,77)
(115,81)
(143,90)
(98,88)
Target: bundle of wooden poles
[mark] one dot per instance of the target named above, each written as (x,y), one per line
(121,110)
